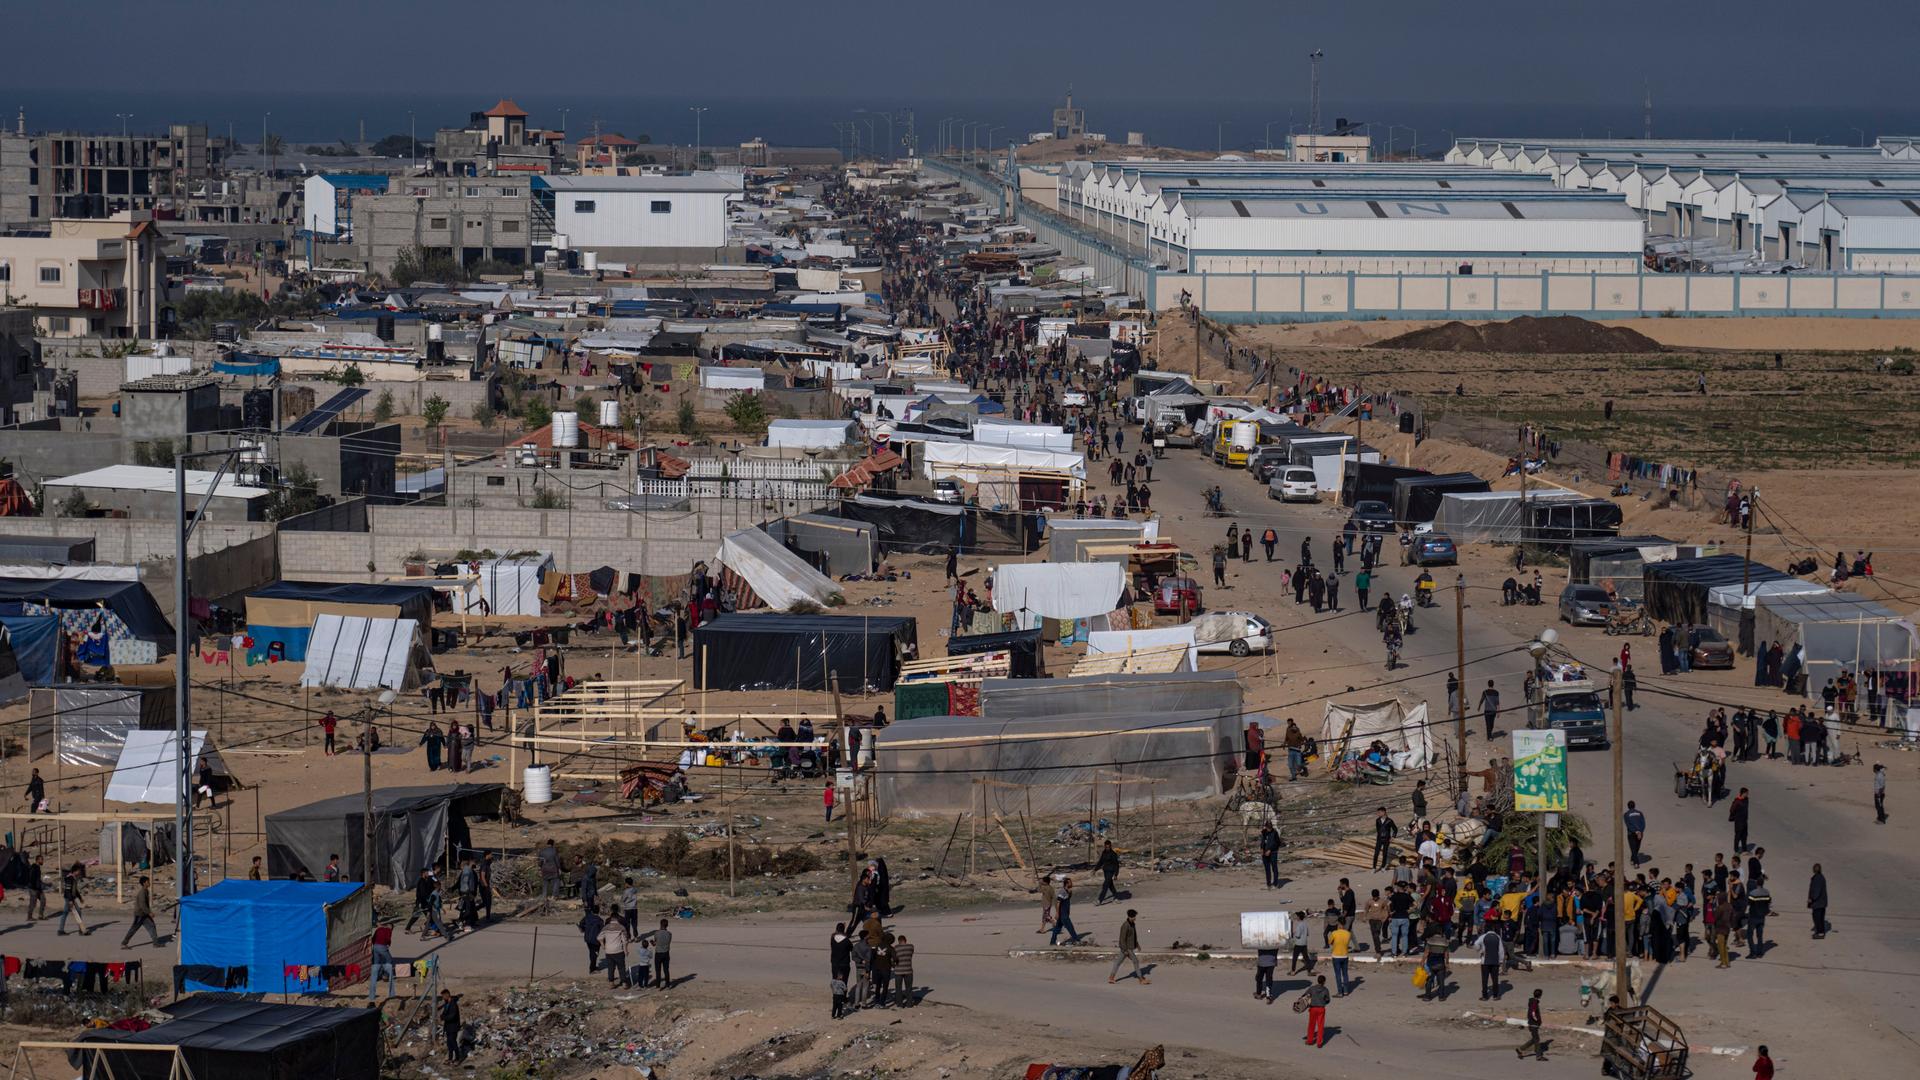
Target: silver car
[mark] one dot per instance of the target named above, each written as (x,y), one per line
(1585,605)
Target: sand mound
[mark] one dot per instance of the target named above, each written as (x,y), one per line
(1527,334)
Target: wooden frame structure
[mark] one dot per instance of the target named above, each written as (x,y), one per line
(1119,780)
(97,1067)
(118,819)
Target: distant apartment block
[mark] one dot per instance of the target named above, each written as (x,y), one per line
(70,175)
(87,276)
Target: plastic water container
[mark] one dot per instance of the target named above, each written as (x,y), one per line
(590,261)
(1259,929)
(609,414)
(537,784)
(566,430)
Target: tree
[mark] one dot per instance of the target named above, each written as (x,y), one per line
(383,408)
(748,413)
(535,413)
(352,376)
(686,420)
(76,505)
(419,264)
(434,409)
(396,146)
(298,493)
(272,146)
(483,415)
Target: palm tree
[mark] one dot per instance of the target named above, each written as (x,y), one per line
(271,146)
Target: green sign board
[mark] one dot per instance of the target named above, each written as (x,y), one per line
(1540,771)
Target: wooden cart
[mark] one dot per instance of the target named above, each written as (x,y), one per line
(1641,1044)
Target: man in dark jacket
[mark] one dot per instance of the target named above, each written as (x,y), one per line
(1817,901)
(590,926)
(1384,830)
(1270,854)
(1108,865)
(1737,813)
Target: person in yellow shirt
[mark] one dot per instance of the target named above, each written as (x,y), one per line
(1630,907)
(1466,907)
(1340,943)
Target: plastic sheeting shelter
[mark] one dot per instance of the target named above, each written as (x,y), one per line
(13,686)
(87,725)
(1064,534)
(49,549)
(763,573)
(1417,498)
(125,608)
(927,765)
(1560,524)
(1491,517)
(512,586)
(35,640)
(971,462)
(348,652)
(1078,590)
(835,545)
(1677,590)
(913,526)
(1349,728)
(1030,436)
(149,767)
(1157,639)
(806,434)
(1219,692)
(1329,470)
(413,827)
(787,652)
(1836,632)
(266,926)
(1368,481)
(1026,657)
(224,1039)
(284,612)
(1582,553)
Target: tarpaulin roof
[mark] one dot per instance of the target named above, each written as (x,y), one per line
(783,652)
(129,600)
(352,652)
(1477,517)
(1677,589)
(1417,498)
(149,766)
(1050,590)
(836,545)
(267,926)
(413,827)
(1581,552)
(296,604)
(916,526)
(773,576)
(224,1039)
(1401,725)
(1156,639)
(55,549)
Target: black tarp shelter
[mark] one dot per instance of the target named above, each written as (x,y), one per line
(913,526)
(414,827)
(774,651)
(1581,553)
(80,602)
(1676,590)
(1366,480)
(1417,498)
(1025,657)
(1555,525)
(224,1039)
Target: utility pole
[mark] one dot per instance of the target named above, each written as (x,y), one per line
(1313,91)
(699,112)
(1619,845)
(367,852)
(1460,670)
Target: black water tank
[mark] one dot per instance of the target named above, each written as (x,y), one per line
(1406,423)
(256,410)
(383,327)
(436,351)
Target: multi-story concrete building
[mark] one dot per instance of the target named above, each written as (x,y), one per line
(72,175)
(80,277)
(496,141)
(469,218)
(639,219)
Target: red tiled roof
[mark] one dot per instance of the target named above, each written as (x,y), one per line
(863,472)
(506,107)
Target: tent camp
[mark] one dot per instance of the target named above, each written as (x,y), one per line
(972,462)
(149,767)
(86,725)
(834,545)
(413,827)
(772,651)
(1033,591)
(807,434)
(1492,517)
(913,526)
(102,611)
(1417,498)
(282,614)
(1156,639)
(35,641)
(269,926)
(1348,728)
(996,432)
(1368,481)
(1678,590)
(763,573)
(348,652)
(512,586)
(1836,632)
(1064,532)
(221,1038)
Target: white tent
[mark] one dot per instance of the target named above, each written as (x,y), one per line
(732,378)
(1078,590)
(806,434)
(149,766)
(1157,639)
(967,461)
(1402,725)
(512,586)
(751,562)
(1330,470)
(353,652)
(1031,436)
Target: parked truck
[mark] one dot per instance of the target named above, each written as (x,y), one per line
(1575,706)
(1234,441)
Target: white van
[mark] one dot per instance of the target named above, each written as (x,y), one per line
(1235,632)
(1294,483)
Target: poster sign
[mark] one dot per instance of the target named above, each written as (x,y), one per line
(1540,771)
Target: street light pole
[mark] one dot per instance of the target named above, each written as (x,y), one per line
(698,112)
(1619,844)
(1460,670)
(182,654)
(413,142)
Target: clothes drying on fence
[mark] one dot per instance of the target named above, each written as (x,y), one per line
(1631,466)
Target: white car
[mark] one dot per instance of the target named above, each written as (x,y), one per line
(1294,483)
(1235,632)
(948,491)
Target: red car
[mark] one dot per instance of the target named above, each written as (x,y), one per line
(1177,596)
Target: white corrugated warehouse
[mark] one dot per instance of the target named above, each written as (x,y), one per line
(601,213)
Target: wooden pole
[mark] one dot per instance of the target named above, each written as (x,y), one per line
(1153,821)
(1620,846)
(1460,672)
(730,798)
(1093,810)
(973,824)
(119,861)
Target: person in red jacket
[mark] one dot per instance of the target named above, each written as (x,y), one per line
(1763,1066)
(826,796)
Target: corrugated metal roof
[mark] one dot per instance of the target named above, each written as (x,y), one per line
(150,478)
(686,182)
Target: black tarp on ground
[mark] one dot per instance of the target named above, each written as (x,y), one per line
(1581,553)
(1676,590)
(772,651)
(224,1039)
(1024,654)
(413,828)
(1417,498)
(1370,481)
(1556,525)
(913,526)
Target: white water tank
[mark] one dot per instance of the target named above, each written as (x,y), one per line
(537,784)
(566,430)
(433,331)
(1258,929)
(589,261)
(609,414)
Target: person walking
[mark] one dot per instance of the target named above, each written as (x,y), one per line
(1109,866)
(1264,961)
(1384,830)
(840,967)
(1533,1042)
(590,926)
(1492,950)
(381,962)
(1489,706)
(1339,947)
(1269,540)
(1636,823)
(1362,582)
(1763,1065)
(1129,950)
(1435,962)
(1048,895)
(549,860)
(1376,916)
(1317,998)
(143,914)
(1333,590)
(1299,959)
(1270,854)
(826,797)
(1063,914)
(1879,794)
(1817,901)
(72,882)
(1737,813)
(36,792)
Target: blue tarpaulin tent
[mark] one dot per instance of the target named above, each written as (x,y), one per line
(125,607)
(269,926)
(35,640)
(282,614)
